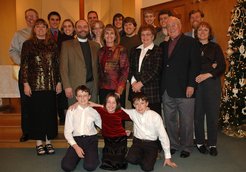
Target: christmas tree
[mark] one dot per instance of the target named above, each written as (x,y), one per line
(233,106)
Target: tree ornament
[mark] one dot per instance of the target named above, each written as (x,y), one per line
(241,49)
(240,34)
(229,52)
(242,82)
(244,111)
(227,117)
(226,98)
(235,91)
(228,74)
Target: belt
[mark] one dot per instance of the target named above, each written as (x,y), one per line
(84,136)
(144,140)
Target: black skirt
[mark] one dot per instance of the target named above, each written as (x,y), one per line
(114,153)
(42,115)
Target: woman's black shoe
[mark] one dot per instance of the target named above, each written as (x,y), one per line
(202,149)
(213,151)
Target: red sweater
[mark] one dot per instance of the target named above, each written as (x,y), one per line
(112,122)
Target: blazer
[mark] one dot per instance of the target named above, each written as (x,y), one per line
(181,68)
(72,64)
(150,73)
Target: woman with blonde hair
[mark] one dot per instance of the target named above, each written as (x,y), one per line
(113,65)
(97,30)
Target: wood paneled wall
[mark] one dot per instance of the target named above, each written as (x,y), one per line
(217,13)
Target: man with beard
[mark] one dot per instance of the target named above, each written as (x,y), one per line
(196,17)
(79,63)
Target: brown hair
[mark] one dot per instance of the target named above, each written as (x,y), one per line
(97,22)
(207,25)
(147,27)
(196,11)
(117,36)
(82,88)
(47,36)
(67,20)
(139,96)
(117,15)
(148,11)
(117,99)
(130,20)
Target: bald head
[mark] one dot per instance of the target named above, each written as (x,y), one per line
(173,27)
(82,28)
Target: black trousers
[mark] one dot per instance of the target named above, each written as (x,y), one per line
(143,153)
(62,105)
(24,107)
(207,104)
(91,160)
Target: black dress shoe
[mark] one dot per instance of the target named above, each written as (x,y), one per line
(213,151)
(24,138)
(202,149)
(173,151)
(184,154)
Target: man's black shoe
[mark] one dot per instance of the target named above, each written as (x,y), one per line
(184,154)
(24,138)
(173,151)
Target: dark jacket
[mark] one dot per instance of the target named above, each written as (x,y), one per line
(181,68)
(150,73)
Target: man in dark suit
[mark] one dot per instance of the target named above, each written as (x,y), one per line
(54,19)
(181,66)
(79,63)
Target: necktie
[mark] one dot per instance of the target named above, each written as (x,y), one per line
(55,35)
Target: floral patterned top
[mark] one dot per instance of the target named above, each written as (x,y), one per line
(113,68)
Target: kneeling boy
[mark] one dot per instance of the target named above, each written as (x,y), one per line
(148,127)
(81,133)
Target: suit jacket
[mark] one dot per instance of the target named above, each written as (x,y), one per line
(72,64)
(150,73)
(181,68)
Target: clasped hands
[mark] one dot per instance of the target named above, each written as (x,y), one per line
(136,86)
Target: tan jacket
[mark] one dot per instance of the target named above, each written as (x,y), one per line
(72,64)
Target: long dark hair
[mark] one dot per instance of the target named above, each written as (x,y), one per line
(117,99)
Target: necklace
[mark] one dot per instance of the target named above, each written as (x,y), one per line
(203,50)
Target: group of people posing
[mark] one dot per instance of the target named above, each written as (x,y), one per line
(90,61)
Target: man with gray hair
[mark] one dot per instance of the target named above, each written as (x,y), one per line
(181,66)
(21,36)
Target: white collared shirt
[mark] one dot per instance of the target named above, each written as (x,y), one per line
(80,121)
(141,57)
(149,126)
(82,40)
